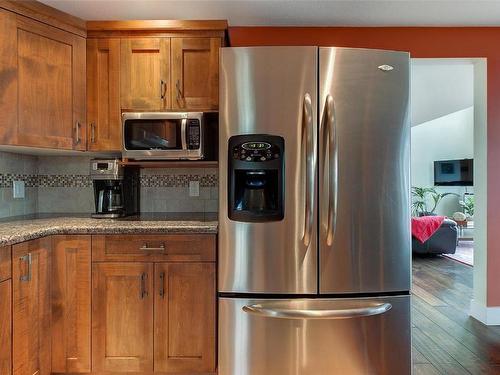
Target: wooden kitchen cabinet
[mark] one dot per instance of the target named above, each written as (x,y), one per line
(43,69)
(5,311)
(185,322)
(145,74)
(195,73)
(103,95)
(5,327)
(48,71)
(31,311)
(122,317)
(70,303)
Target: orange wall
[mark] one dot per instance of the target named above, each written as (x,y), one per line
(420,42)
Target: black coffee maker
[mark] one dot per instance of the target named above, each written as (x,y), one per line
(116,189)
(255,177)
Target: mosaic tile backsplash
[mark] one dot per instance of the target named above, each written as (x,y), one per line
(62,184)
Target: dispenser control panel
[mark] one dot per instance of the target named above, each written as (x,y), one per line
(256,151)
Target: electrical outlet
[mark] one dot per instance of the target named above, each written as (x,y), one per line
(18,189)
(194,188)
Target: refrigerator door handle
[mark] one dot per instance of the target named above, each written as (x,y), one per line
(331,129)
(308,154)
(346,312)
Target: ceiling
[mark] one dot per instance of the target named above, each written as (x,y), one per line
(294,12)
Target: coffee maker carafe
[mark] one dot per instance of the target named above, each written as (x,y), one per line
(116,189)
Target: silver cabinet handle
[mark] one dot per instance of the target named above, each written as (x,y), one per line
(307,146)
(331,128)
(27,259)
(163,89)
(162,285)
(144,292)
(145,247)
(77,133)
(343,313)
(92,132)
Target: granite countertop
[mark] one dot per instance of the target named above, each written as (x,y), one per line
(24,228)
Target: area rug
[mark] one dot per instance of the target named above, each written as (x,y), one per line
(464,253)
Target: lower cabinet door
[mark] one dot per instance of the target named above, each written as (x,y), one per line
(70,294)
(5,328)
(122,317)
(340,336)
(185,323)
(31,312)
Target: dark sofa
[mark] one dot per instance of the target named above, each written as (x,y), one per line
(443,241)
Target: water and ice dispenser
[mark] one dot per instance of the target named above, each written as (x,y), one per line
(256,178)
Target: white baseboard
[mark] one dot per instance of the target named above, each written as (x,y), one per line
(486,315)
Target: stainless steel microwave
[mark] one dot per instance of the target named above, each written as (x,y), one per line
(163,135)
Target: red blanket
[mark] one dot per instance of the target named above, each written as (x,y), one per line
(422,228)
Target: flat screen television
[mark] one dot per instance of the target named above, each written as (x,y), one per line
(453,172)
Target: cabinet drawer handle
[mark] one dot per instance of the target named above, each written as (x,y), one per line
(77,133)
(162,285)
(144,292)
(145,247)
(27,259)
(92,132)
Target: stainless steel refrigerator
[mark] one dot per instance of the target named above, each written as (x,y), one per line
(314,222)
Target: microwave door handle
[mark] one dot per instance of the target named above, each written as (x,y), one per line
(184,133)
(331,128)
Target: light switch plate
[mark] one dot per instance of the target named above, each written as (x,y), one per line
(18,188)
(194,188)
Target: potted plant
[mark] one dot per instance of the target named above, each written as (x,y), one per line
(421,196)
(468,206)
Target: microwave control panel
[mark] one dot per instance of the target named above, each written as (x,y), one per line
(256,151)
(193,134)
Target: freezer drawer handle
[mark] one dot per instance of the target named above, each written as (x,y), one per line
(347,313)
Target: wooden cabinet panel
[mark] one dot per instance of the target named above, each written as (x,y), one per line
(145,76)
(51,80)
(43,69)
(5,263)
(70,291)
(31,307)
(103,95)
(8,76)
(154,248)
(122,317)
(185,317)
(195,73)
(5,328)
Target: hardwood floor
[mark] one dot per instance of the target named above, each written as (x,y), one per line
(445,339)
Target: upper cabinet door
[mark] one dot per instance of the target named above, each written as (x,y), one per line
(145,81)
(47,65)
(195,73)
(103,95)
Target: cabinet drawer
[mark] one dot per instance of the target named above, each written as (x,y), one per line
(154,248)
(5,263)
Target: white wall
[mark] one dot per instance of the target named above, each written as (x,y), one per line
(440,87)
(445,138)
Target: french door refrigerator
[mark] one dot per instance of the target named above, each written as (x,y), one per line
(314,233)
